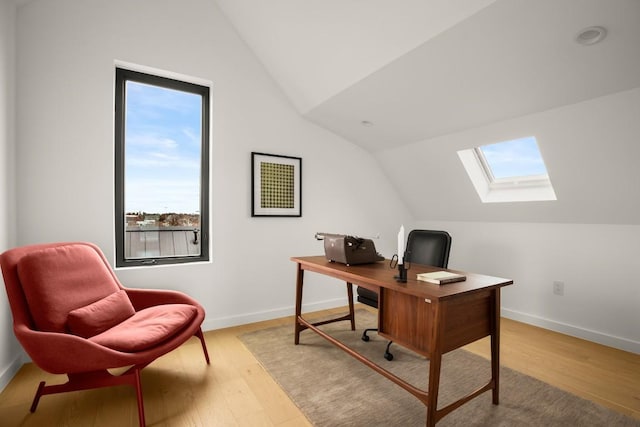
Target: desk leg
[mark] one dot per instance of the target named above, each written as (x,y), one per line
(299,281)
(351,310)
(495,346)
(435,363)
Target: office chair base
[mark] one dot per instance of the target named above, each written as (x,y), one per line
(366,337)
(387,354)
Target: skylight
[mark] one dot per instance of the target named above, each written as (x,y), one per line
(510,160)
(509,171)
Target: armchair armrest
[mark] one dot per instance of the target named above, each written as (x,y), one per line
(61,353)
(145,298)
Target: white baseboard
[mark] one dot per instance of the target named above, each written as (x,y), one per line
(7,375)
(574,331)
(224,322)
(242,319)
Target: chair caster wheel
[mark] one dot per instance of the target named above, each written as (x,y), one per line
(365,338)
(388,356)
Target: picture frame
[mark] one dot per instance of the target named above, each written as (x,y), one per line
(276,185)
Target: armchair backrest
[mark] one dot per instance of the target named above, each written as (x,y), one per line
(45,282)
(428,247)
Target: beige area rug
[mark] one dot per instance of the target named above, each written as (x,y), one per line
(333,389)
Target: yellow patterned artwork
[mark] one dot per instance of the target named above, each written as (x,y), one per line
(276,185)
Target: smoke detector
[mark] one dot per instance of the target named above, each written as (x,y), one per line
(591,35)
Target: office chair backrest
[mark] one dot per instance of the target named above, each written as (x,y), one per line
(428,247)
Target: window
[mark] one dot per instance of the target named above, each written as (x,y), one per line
(161,170)
(510,171)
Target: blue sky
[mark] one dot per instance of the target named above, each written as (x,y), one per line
(519,157)
(162,169)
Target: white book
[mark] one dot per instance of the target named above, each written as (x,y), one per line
(441,277)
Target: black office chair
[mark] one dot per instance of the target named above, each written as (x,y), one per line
(428,247)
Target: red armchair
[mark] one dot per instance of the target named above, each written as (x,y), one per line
(72,316)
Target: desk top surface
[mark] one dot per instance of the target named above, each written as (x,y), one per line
(380,274)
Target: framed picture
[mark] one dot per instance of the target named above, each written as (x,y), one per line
(276,187)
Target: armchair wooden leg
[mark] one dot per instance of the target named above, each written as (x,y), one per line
(139,398)
(200,336)
(91,380)
(36,398)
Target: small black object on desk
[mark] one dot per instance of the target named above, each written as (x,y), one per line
(402,271)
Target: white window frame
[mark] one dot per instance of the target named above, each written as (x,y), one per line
(516,189)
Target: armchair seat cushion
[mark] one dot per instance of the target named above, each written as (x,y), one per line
(147,328)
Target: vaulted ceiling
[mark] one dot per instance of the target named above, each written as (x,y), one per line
(417,69)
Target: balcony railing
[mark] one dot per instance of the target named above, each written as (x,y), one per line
(159,242)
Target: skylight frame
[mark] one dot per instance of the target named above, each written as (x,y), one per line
(524,188)
(514,181)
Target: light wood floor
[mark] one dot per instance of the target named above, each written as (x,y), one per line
(181,390)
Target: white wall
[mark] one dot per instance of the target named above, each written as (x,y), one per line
(589,238)
(10,354)
(66,52)
(596,262)
(589,148)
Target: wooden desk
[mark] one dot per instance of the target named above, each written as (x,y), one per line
(428,319)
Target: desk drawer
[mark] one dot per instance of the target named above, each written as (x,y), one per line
(410,320)
(406,320)
(466,318)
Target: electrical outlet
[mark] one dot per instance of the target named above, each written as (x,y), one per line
(558,288)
